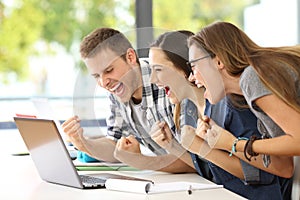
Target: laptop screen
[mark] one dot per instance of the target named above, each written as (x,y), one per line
(48,151)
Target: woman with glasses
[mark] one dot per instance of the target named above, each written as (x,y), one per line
(168,56)
(267,78)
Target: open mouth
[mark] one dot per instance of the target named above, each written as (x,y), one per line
(198,84)
(112,89)
(117,89)
(167,89)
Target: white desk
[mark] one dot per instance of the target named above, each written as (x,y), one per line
(20,180)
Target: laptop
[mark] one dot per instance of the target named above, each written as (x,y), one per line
(51,157)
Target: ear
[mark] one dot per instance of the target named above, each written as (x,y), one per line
(219,63)
(131,56)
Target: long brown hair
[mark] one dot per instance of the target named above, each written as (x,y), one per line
(277,67)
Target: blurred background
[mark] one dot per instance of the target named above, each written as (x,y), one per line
(39,47)
(39,42)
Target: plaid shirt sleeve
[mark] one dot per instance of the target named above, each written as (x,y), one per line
(115,122)
(157,100)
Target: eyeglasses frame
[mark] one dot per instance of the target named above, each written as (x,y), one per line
(197,59)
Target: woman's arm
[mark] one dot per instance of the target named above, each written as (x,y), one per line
(219,138)
(128,151)
(197,145)
(162,135)
(288,120)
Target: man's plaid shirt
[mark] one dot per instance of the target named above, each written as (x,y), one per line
(154,103)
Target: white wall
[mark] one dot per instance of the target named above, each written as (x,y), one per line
(273,22)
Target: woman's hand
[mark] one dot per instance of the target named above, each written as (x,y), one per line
(216,136)
(193,142)
(202,127)
(162,135)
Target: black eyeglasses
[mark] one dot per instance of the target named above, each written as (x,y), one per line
(197,59)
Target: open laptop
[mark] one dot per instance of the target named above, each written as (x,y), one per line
(51,157)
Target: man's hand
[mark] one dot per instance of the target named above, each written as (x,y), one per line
(128,150)
(74,133)
(128,144)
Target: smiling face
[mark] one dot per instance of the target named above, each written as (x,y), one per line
(165,75)
(207,74)
(113,73)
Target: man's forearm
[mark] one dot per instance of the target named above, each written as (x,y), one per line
(166,163)
(180,152)
(101,149)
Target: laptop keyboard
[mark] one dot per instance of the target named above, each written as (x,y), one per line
(90,181)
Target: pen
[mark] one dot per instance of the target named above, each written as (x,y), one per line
(190,190)
(20,154)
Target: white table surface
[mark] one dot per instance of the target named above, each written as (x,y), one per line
(20,180)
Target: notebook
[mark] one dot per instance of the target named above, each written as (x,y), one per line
(51,157)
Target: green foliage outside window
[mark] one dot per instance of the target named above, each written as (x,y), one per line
(24,23)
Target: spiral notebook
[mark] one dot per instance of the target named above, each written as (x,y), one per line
(145,187)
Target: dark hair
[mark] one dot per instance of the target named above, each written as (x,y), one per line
(174,45)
